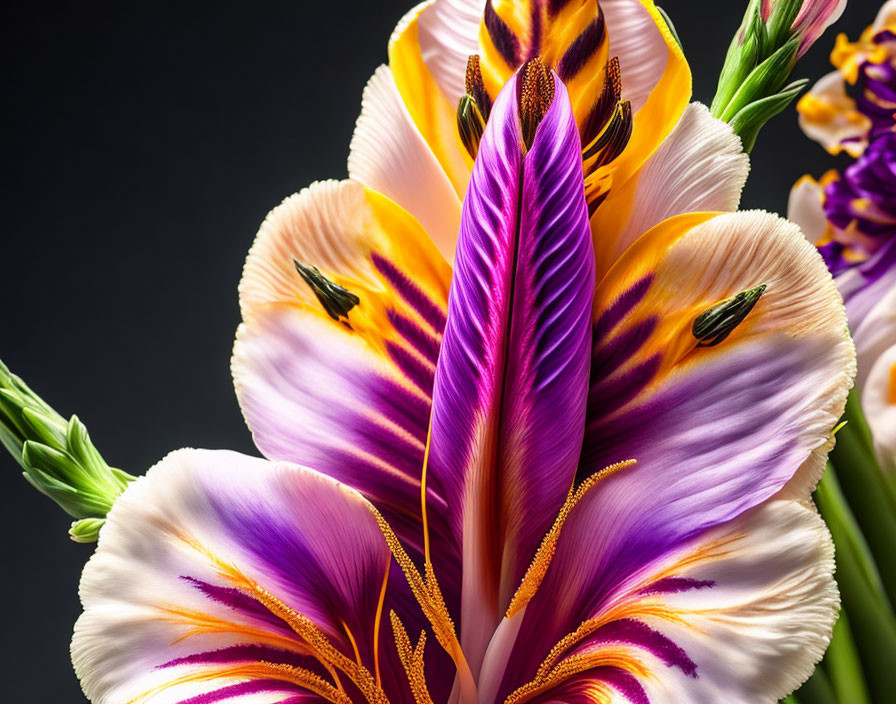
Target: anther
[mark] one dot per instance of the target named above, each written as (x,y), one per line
(336,300)
(475,87)
(535,93)
(470,124)
(718,322)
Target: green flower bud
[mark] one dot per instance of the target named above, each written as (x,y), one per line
(57,456)
(86,530)
(772,37)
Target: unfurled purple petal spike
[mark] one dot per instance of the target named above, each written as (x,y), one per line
(511,380)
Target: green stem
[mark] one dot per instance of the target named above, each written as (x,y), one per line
(870,616)
(844,666)
(817,689)
(865,488)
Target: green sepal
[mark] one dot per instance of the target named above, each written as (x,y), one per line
(744,53)
(764,80)
(780,21)
(752,118)
(57,456)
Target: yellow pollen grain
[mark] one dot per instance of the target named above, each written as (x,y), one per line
(891,392)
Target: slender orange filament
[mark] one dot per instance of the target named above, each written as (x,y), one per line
(429,596)
(262,670)
(612,656)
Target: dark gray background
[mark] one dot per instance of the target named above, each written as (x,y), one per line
(143,143)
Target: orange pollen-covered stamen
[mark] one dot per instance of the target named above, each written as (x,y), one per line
(302,626)
(411,660)
(539,566)
(428,595)
(608,656)
(535,95)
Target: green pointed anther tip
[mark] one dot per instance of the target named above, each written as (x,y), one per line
(716,323)
(335,300)
(470,124)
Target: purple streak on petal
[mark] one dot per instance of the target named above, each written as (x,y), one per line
(582,49)
(240,602)
(580,688)
(640,635)
(244,653)
(421,340)
(415,370)
(554,6)
(675,585)
(535,30)
(623,682)
(241,689)
(610,395)
(617,311)
(410,292)
(505,41)
(511,382)
(610,356)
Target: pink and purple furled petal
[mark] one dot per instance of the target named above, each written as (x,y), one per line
(511,382)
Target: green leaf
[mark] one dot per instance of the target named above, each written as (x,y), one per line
(843,665)
(817,689)
(866,490)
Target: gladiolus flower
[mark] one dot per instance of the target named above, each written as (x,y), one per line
(580,467)
(852,216)
(846,120)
